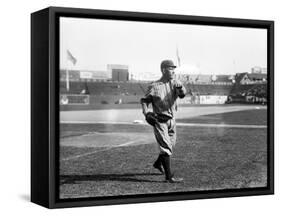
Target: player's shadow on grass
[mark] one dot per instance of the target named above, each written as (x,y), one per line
(127,177)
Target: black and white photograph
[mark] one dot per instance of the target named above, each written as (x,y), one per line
(140,107)
(161,108)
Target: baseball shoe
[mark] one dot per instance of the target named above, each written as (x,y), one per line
(174,180)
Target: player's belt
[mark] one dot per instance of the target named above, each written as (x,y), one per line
(163,118)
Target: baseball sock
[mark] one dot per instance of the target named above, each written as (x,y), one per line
(158,163)
(166,162)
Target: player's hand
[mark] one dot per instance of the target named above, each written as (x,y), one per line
(178,85)
(180,89)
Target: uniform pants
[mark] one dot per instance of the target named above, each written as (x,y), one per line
(165,134)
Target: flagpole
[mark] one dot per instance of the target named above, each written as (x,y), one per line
(67,77)
(178,56)
(71,58)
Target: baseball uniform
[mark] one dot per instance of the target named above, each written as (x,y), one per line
(163,97)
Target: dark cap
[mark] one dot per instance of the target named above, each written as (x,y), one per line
(167,63)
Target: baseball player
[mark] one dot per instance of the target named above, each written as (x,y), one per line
(163,94)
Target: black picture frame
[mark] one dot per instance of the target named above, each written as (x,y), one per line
(45,105)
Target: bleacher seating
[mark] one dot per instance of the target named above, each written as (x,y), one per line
(129,89)
(209,89)
(251,89)
(105,88)
(74,87)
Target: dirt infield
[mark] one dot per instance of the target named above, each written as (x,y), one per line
(116,159)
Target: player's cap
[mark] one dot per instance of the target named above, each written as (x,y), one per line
(167,63)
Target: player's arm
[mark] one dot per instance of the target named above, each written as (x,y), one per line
(144,104)
(146,100)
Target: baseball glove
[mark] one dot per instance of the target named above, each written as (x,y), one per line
(151,118)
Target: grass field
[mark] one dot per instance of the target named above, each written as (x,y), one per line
(116,159)
(245,117)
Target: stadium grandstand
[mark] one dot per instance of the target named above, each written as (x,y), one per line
(105,88)
(249,93)
(209,89)
(249,88)
(206,89)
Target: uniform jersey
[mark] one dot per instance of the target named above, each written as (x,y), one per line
(163,96)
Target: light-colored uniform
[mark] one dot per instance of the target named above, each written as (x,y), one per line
(163,97)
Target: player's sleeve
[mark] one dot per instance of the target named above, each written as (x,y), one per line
(147,99)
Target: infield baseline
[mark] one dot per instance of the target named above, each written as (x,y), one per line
(178,124)
(93,152)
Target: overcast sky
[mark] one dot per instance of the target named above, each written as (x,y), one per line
(143,45)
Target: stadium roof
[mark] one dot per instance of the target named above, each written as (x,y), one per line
(240,76)
(223,78)
(200,78)
(250,76)
(257,76)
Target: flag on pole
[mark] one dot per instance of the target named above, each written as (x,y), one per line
(71,58)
